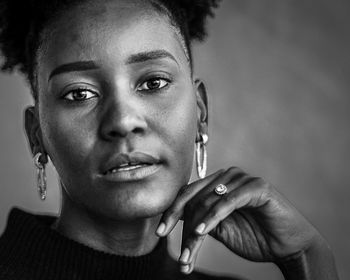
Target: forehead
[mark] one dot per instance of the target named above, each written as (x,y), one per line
(107,31)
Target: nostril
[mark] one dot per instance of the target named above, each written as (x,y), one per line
(114,134)
(120,131)
(138,130)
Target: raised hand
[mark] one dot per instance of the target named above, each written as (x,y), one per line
(252,219)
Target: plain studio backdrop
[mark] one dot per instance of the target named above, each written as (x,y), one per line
(277,72)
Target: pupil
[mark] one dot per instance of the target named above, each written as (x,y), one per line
(79,95)
(153,84)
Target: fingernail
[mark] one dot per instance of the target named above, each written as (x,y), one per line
(200,228)
(185,268)
(161,229)
(185,255)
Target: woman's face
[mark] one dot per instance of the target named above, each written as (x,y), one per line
(118,108)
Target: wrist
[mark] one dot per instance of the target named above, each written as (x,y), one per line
(314,262)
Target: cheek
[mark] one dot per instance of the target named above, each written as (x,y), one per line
(67,140)
(179,123)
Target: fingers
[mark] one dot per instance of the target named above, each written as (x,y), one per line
(232,177)
(190,252)
(202,209)
(250,194)
(245,191)
(174,213)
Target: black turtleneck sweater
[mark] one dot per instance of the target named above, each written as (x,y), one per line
(31,250)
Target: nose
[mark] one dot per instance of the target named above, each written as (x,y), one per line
(122,117)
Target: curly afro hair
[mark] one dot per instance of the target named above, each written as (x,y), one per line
(21,23)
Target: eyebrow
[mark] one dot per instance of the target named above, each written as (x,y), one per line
(74,67)
(92,65)
(149,55)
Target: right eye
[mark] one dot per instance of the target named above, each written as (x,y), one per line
(80,94)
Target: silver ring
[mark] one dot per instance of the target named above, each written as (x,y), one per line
(220,189)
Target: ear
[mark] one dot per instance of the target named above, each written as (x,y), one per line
(33,131)
(202,103)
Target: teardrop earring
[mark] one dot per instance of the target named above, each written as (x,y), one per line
(41,176)
(201,155)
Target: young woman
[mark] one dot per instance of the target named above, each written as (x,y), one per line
(121,115)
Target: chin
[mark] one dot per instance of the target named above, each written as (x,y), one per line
(135,203)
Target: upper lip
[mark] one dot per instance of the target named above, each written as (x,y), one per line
(134,158)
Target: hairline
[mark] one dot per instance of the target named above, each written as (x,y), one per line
(44,35)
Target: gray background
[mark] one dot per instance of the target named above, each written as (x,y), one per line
(277,72)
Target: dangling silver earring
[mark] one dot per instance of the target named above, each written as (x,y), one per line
(41,176)
(201,155)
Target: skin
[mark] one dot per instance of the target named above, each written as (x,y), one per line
(122,117)
(120,114)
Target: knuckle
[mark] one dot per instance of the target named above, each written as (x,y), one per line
(174,212)
(242,179)
(234,170)
(261,183)
(214,214)
(268,190)
(260,180)
(263,187)
(190,206)
(167,215)
(238,177)
(229,199)
(257,182)
(203,202)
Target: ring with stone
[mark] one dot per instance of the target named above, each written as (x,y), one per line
(220,189)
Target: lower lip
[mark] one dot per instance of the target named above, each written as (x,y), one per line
(136,174)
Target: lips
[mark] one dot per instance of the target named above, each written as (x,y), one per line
(128,162)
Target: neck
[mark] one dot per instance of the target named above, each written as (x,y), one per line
(119,237)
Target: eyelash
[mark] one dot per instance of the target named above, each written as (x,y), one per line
(163,80)
(80,90)
(167,81)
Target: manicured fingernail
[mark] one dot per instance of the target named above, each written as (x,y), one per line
(185,268)
(185,255)
(161,229)
(200,229)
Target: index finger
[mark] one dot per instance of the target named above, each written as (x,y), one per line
(173,214)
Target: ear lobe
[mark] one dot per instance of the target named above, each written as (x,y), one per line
(202,103)
(33,132)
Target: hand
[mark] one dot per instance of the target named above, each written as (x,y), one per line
(252,219)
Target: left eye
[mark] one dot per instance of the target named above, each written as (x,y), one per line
(153,84)
(80,95)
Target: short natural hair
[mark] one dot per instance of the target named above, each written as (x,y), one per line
(21,23)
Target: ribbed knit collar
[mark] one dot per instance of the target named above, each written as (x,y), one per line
(46,254)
